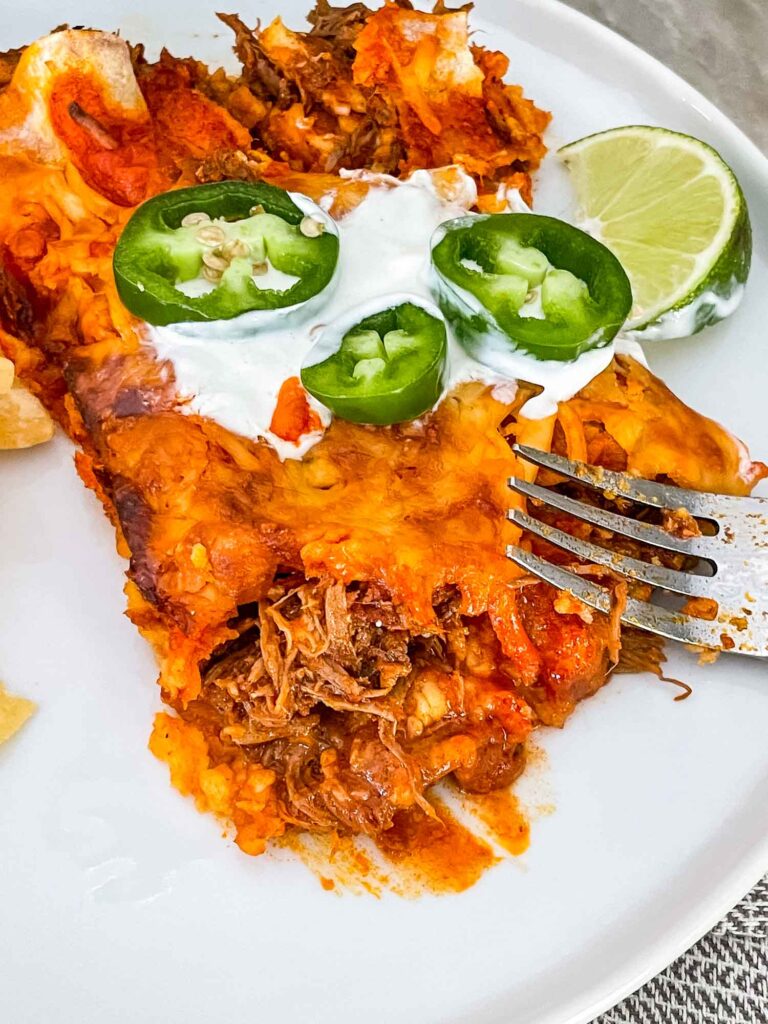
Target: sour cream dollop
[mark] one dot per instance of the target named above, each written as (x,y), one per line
(232,374)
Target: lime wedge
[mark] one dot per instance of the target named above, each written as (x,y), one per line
(672,211)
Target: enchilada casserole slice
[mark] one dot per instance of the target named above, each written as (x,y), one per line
(335,633)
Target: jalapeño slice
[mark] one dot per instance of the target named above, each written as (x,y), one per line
(386,368)
(223,235)
(540,284)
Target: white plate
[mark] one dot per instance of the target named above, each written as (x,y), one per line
(119,903)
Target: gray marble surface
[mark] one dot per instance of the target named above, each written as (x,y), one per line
(719,46)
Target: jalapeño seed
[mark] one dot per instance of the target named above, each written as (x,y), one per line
(215,262)
(214,276)
(211,234)
(310,227)
(234,248)
(192,219)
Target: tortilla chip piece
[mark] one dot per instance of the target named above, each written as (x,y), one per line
(14,711)
(24,421)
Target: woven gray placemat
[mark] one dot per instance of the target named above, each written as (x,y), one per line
(723,979)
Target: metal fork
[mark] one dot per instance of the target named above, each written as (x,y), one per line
(738,554)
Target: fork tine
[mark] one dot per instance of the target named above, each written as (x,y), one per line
(642,614)
(697,547)
(591,594)
(687,629)
(655,575)
(646,492)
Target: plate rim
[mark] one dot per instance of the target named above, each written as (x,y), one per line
(646,962)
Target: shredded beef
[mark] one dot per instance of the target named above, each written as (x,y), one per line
(356,714)
(338,25)
(260,73)
(497,765)
(314,102)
